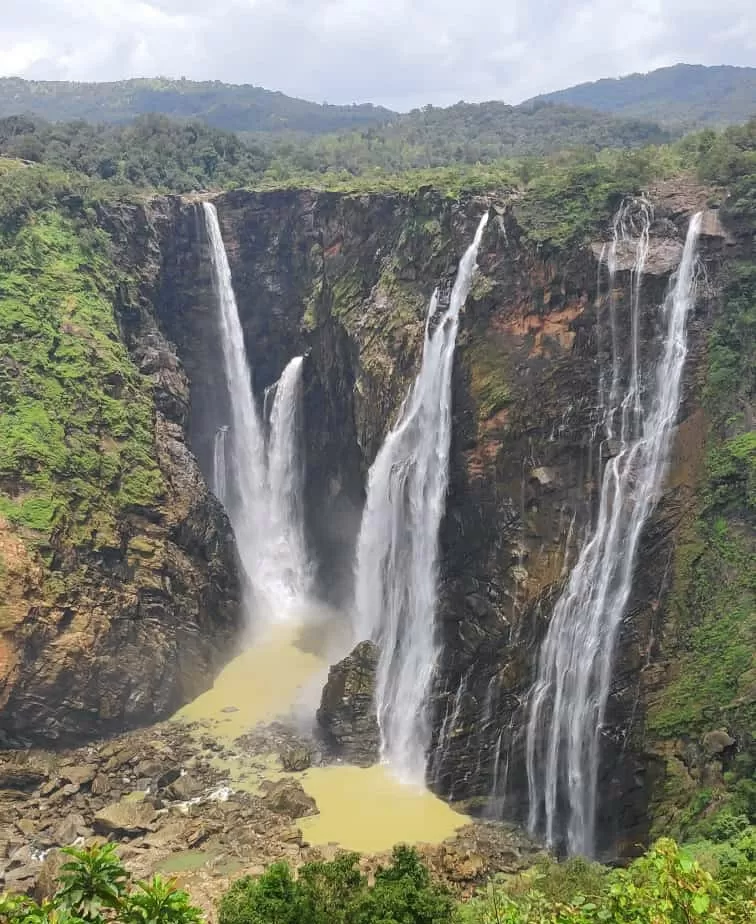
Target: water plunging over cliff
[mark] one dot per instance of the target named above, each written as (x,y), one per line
(398,541)
(286,477)
(263,491)
(219,464)
(568,701)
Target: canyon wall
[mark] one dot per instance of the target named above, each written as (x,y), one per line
(345,280)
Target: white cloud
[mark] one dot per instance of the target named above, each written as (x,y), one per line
(402,53)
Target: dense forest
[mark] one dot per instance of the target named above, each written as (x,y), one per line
(684,96)
(181,155)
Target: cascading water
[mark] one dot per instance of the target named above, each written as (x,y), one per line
(568,700)
(219,464)
(398,542)
(263,493)
(286,478)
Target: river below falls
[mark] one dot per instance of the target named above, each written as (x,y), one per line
(281,676)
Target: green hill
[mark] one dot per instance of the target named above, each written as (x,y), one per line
(227,106)
(682,96)
(304,135)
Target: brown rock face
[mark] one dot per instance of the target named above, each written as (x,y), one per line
(122,629)
(347,714)
(345,280)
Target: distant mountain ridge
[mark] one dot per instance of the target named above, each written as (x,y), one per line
(232,107)
(682,96)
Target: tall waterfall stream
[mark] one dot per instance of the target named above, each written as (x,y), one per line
(397,549)
(568,701)
(261,482)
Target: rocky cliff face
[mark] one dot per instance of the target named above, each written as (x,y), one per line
(123,609)
(345,279)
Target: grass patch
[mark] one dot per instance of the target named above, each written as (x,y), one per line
(76,416)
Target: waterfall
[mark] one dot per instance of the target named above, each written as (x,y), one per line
(219,464)
(397,548)
(286,477)
(262,490)
(568,700)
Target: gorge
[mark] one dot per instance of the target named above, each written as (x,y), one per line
(502,488)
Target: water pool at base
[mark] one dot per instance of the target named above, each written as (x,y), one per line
(362,809)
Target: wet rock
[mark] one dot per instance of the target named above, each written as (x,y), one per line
(287,797)
(295,758)
(347,713)
(126,818)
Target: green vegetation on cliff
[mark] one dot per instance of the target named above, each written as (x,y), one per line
(76,421)
(712,621)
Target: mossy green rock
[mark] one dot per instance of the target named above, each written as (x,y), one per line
(118,584)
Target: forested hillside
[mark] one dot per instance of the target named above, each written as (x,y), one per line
(683,96)
(157,152)
(234,108)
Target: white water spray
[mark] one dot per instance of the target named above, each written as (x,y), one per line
(286,477)
(398,543)
(263,495)
(568,701)
(219,480)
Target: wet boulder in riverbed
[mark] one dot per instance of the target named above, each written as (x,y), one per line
(347,713)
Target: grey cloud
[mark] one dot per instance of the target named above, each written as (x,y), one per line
(402,53)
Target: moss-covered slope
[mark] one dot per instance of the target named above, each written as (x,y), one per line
(104,582)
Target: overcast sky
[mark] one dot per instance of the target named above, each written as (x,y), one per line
(401,53)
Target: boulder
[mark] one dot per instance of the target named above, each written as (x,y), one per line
(101,785)
(716,742)
(183,788)
(127,818)
(287,797)
(68,829)
(21,775)
(22,879)
(295,757)
(80,774)
(167,777)
(347,713)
